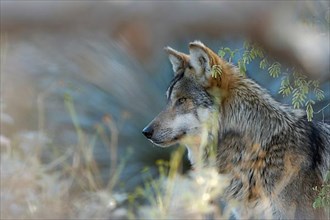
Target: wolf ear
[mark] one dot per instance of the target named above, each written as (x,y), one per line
(202,58)
(177,59)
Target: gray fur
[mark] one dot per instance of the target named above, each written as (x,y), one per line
(275,156)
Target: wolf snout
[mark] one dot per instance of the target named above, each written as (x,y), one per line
(148,131)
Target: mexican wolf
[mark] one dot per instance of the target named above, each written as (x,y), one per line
(273,155)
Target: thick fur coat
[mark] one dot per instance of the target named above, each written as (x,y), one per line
(273,154)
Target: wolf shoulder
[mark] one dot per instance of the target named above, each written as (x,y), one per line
(324,131)
(311,138)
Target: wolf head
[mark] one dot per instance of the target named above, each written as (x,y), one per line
(193,96)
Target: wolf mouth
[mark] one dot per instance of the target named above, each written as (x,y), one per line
(179,136)
(169,142)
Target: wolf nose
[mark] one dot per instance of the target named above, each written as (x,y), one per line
(148,132)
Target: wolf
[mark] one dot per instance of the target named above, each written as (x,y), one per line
(273,154)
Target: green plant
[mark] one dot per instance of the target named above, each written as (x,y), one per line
(323,198)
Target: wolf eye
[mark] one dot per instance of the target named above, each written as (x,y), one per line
(180,101)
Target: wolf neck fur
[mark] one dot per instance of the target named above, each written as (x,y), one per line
(203,151)
(240,115)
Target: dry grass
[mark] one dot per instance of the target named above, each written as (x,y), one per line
(196,195)
(70,187)
(67,186)
(41,181)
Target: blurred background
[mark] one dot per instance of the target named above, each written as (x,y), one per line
(80,80)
